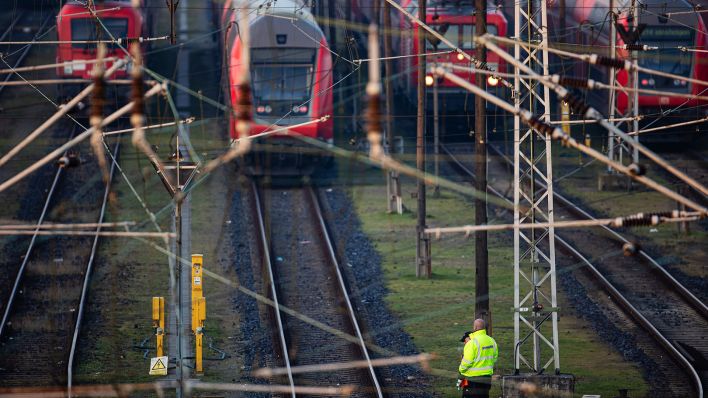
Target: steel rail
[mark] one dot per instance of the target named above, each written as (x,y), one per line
(25,260)
(24,54)
(342,285)
(265,247)
(12,25)
(609,287)
(696,303)
(87,275)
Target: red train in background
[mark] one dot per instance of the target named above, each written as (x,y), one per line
(668,34)
(76,23)
(291,76)
(455,20)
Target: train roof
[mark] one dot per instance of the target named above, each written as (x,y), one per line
(650,11)
(284,23)
(73,6)
(284,8)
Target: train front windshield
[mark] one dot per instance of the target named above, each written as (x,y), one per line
(87,29)
(668,58)
(282,80)
(460,35)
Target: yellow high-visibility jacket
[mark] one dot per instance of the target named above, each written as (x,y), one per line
(480,354)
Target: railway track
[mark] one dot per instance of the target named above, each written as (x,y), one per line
(43,313)
(674,318)
(695,164)
(20,29)
(301,269)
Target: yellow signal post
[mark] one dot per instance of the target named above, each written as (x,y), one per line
(565,117)
(198,308)
(199,312)
(158,322)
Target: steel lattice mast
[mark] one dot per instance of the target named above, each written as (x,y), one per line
(535,305)
(617,148)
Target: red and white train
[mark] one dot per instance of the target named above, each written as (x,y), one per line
(685,29)
(455,20)
(77,25)
(291,79)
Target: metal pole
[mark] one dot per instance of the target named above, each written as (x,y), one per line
(422,258)
(436,136)
(534,265)
(480,204)
(517,191)
(178,309)
(391,176)
(635,84)
(611,104)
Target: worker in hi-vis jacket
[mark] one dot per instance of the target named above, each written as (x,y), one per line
(477,365)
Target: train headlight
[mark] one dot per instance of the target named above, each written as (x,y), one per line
(429,80)
(460,56)
(260,109)
(303,109)
(268,109)
(493,81)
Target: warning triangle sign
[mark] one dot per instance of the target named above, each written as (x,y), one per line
(158,366)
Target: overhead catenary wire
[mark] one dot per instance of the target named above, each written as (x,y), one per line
(98,99)
(55,65)
(71,226)
(118,64)
(359,61)
(52,155)
(63,110)
(118,41)
(668,126)
(596,59)
(188,120)
(592,113)
(578,82)
(639,219)
(633,171)
(422,359)
(46,82)
(70,232)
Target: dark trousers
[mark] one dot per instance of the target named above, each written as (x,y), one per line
(478,388)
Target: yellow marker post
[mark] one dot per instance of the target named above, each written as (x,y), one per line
(200,315)
(197,286)
(565,117)
(198,308)
(158,322)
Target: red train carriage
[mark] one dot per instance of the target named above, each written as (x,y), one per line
(291,80)
(456,21)
(669,34)
(76,23)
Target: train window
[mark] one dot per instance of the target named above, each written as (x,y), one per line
(668,59)
(461,36)
(282,74)
(86,29)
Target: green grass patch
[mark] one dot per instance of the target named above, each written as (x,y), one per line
(436,311)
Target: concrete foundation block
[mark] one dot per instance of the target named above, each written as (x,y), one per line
(533,385)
